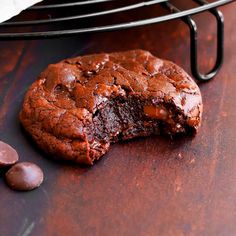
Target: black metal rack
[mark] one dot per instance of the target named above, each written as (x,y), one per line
(18,29)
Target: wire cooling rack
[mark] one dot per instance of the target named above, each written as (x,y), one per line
(31,23)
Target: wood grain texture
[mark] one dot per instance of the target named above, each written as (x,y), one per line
(149,186)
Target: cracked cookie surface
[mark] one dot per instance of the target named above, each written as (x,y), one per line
(79,106)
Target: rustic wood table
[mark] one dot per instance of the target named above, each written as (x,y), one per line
(148,186)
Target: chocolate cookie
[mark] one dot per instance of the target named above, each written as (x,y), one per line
(79,106)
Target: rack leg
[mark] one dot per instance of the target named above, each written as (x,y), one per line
(194,42)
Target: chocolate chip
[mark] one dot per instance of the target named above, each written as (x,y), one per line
(24,176)
(8,155)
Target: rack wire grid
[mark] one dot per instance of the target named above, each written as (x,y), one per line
(31,23)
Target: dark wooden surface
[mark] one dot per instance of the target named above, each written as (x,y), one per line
(150,186)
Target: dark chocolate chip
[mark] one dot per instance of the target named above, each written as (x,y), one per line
(24,176)
(8,155)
